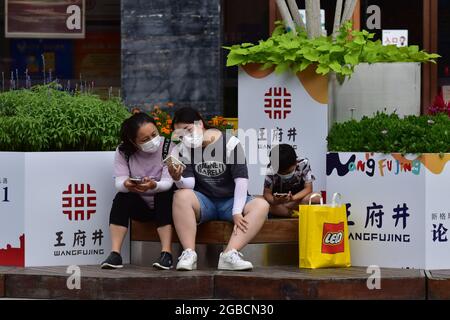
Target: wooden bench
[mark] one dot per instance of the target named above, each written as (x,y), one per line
(218,232)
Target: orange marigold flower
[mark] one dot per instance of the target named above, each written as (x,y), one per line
(170,104)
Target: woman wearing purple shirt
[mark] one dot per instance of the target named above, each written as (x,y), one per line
(140,156)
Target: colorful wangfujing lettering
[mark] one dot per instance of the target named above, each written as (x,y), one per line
(369,166)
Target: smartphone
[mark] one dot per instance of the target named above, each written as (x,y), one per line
(137,180)
(172,161)
(281,195)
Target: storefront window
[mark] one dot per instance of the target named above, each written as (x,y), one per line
(92,62)
(378,15)
(243,21)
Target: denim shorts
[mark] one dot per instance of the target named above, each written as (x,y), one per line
(212,209)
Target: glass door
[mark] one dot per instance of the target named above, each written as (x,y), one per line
(444,48)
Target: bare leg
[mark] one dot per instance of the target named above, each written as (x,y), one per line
(285,209)
(280,210)
(118,234)
(255,212)
(165,235)
(186,211)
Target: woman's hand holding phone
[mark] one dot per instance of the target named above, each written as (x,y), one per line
(143,185)
(146,184)
(132,186)
(175,167)
(175,171)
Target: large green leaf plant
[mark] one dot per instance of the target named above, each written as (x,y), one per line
(285,51)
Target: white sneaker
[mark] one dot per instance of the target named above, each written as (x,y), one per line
(187,260)
(232,260)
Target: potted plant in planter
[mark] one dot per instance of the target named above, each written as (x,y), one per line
(386,77)
(367,71)
(393,172)
(300,78)
(56,176)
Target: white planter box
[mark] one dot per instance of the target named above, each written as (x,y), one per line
(296,104)
(54,208)
(375,87)
(399,207)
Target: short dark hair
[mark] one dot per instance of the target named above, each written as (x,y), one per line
(129,130)
(188,115)
(282,155)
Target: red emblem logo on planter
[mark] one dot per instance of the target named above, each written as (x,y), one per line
(277,103)
(333,238)
(79,202)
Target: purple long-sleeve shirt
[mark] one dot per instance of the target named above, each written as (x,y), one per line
(142,164)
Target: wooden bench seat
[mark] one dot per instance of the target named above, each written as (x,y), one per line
(218,232)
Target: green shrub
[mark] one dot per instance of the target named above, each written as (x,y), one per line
(389,134)
(286,51)
(46,119)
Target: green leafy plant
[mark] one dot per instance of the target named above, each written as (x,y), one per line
(46,119)
(389,134)
(286,51)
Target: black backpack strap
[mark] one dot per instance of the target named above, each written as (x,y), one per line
(165,150)
(127,158)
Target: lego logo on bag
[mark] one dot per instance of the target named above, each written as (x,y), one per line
(333,238)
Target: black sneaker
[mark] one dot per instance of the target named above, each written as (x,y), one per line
(114,261)
(164,262)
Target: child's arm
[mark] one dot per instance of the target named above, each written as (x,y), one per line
(268,196)
(273,200)
(300,195)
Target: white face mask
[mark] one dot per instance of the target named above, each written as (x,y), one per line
(193,140)
(151,146)
(286,176)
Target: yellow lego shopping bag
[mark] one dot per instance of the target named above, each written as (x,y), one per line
(323,235)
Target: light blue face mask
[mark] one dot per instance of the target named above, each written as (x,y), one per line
(287,176)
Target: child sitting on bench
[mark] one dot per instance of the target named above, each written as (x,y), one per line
(289,181)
